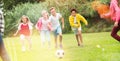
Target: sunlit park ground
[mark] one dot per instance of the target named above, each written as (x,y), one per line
(97,47)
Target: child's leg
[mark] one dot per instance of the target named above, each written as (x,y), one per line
(42,36)
(60,38)
(114,33)
(77,39)
(55,38)
(59,31)
(80,36)
(22,38)
(3,52)
(29,41)
(48,37)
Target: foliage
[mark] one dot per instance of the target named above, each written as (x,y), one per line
(9,4)
(33,11)
(105,1)
(98,26)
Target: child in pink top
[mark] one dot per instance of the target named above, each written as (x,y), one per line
(25,31)
(43,25)
(114,13)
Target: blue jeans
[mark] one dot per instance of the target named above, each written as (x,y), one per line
(1,45)
(45,35)
(1,42)
(57,31)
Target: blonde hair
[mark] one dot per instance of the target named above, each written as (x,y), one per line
(21,21)
(44,12)
(28,20)
(52,8)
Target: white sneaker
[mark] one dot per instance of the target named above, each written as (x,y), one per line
(81,45)
(29,49)
(23,49)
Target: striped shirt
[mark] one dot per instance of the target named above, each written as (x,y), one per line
(1,22)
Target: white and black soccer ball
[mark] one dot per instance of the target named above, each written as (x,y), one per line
(59,53)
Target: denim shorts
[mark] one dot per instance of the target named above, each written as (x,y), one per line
(1,41)
(75,30)
(57,31)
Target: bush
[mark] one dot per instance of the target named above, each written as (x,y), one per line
(33,11)
(99,25)
(105,1)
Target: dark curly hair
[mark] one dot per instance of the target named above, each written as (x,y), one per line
(73,10)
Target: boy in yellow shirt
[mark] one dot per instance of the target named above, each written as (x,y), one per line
(74,20)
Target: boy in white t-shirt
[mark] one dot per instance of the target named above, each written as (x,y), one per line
(54,19)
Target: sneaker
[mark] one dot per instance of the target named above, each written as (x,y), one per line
(81,45)
(29,49)
(23,49)
(56,47)
(78,44)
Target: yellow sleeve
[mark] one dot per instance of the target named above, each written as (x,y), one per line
(83,20)
(71,21)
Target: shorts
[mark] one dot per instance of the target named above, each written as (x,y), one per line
(76,30)
(57,31)
(22,37)
(1,41)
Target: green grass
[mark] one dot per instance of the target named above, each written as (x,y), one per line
(72,52)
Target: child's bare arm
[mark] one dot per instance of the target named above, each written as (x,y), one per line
(16,33)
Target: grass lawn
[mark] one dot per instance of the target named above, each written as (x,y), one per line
(109,49)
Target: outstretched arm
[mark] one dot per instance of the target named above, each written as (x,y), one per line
(83,20)
(17,30)
(16,33)
(62,20)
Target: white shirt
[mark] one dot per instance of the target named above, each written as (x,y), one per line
(55,20)
(73,28)
(45,24)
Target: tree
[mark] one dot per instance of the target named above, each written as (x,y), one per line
(9,4)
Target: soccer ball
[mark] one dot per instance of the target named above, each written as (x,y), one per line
(98,46)
(60,53)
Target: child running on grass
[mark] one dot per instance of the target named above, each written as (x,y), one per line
(74,20)
(25,31)
(54,19)
(114,14)
(43,25)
